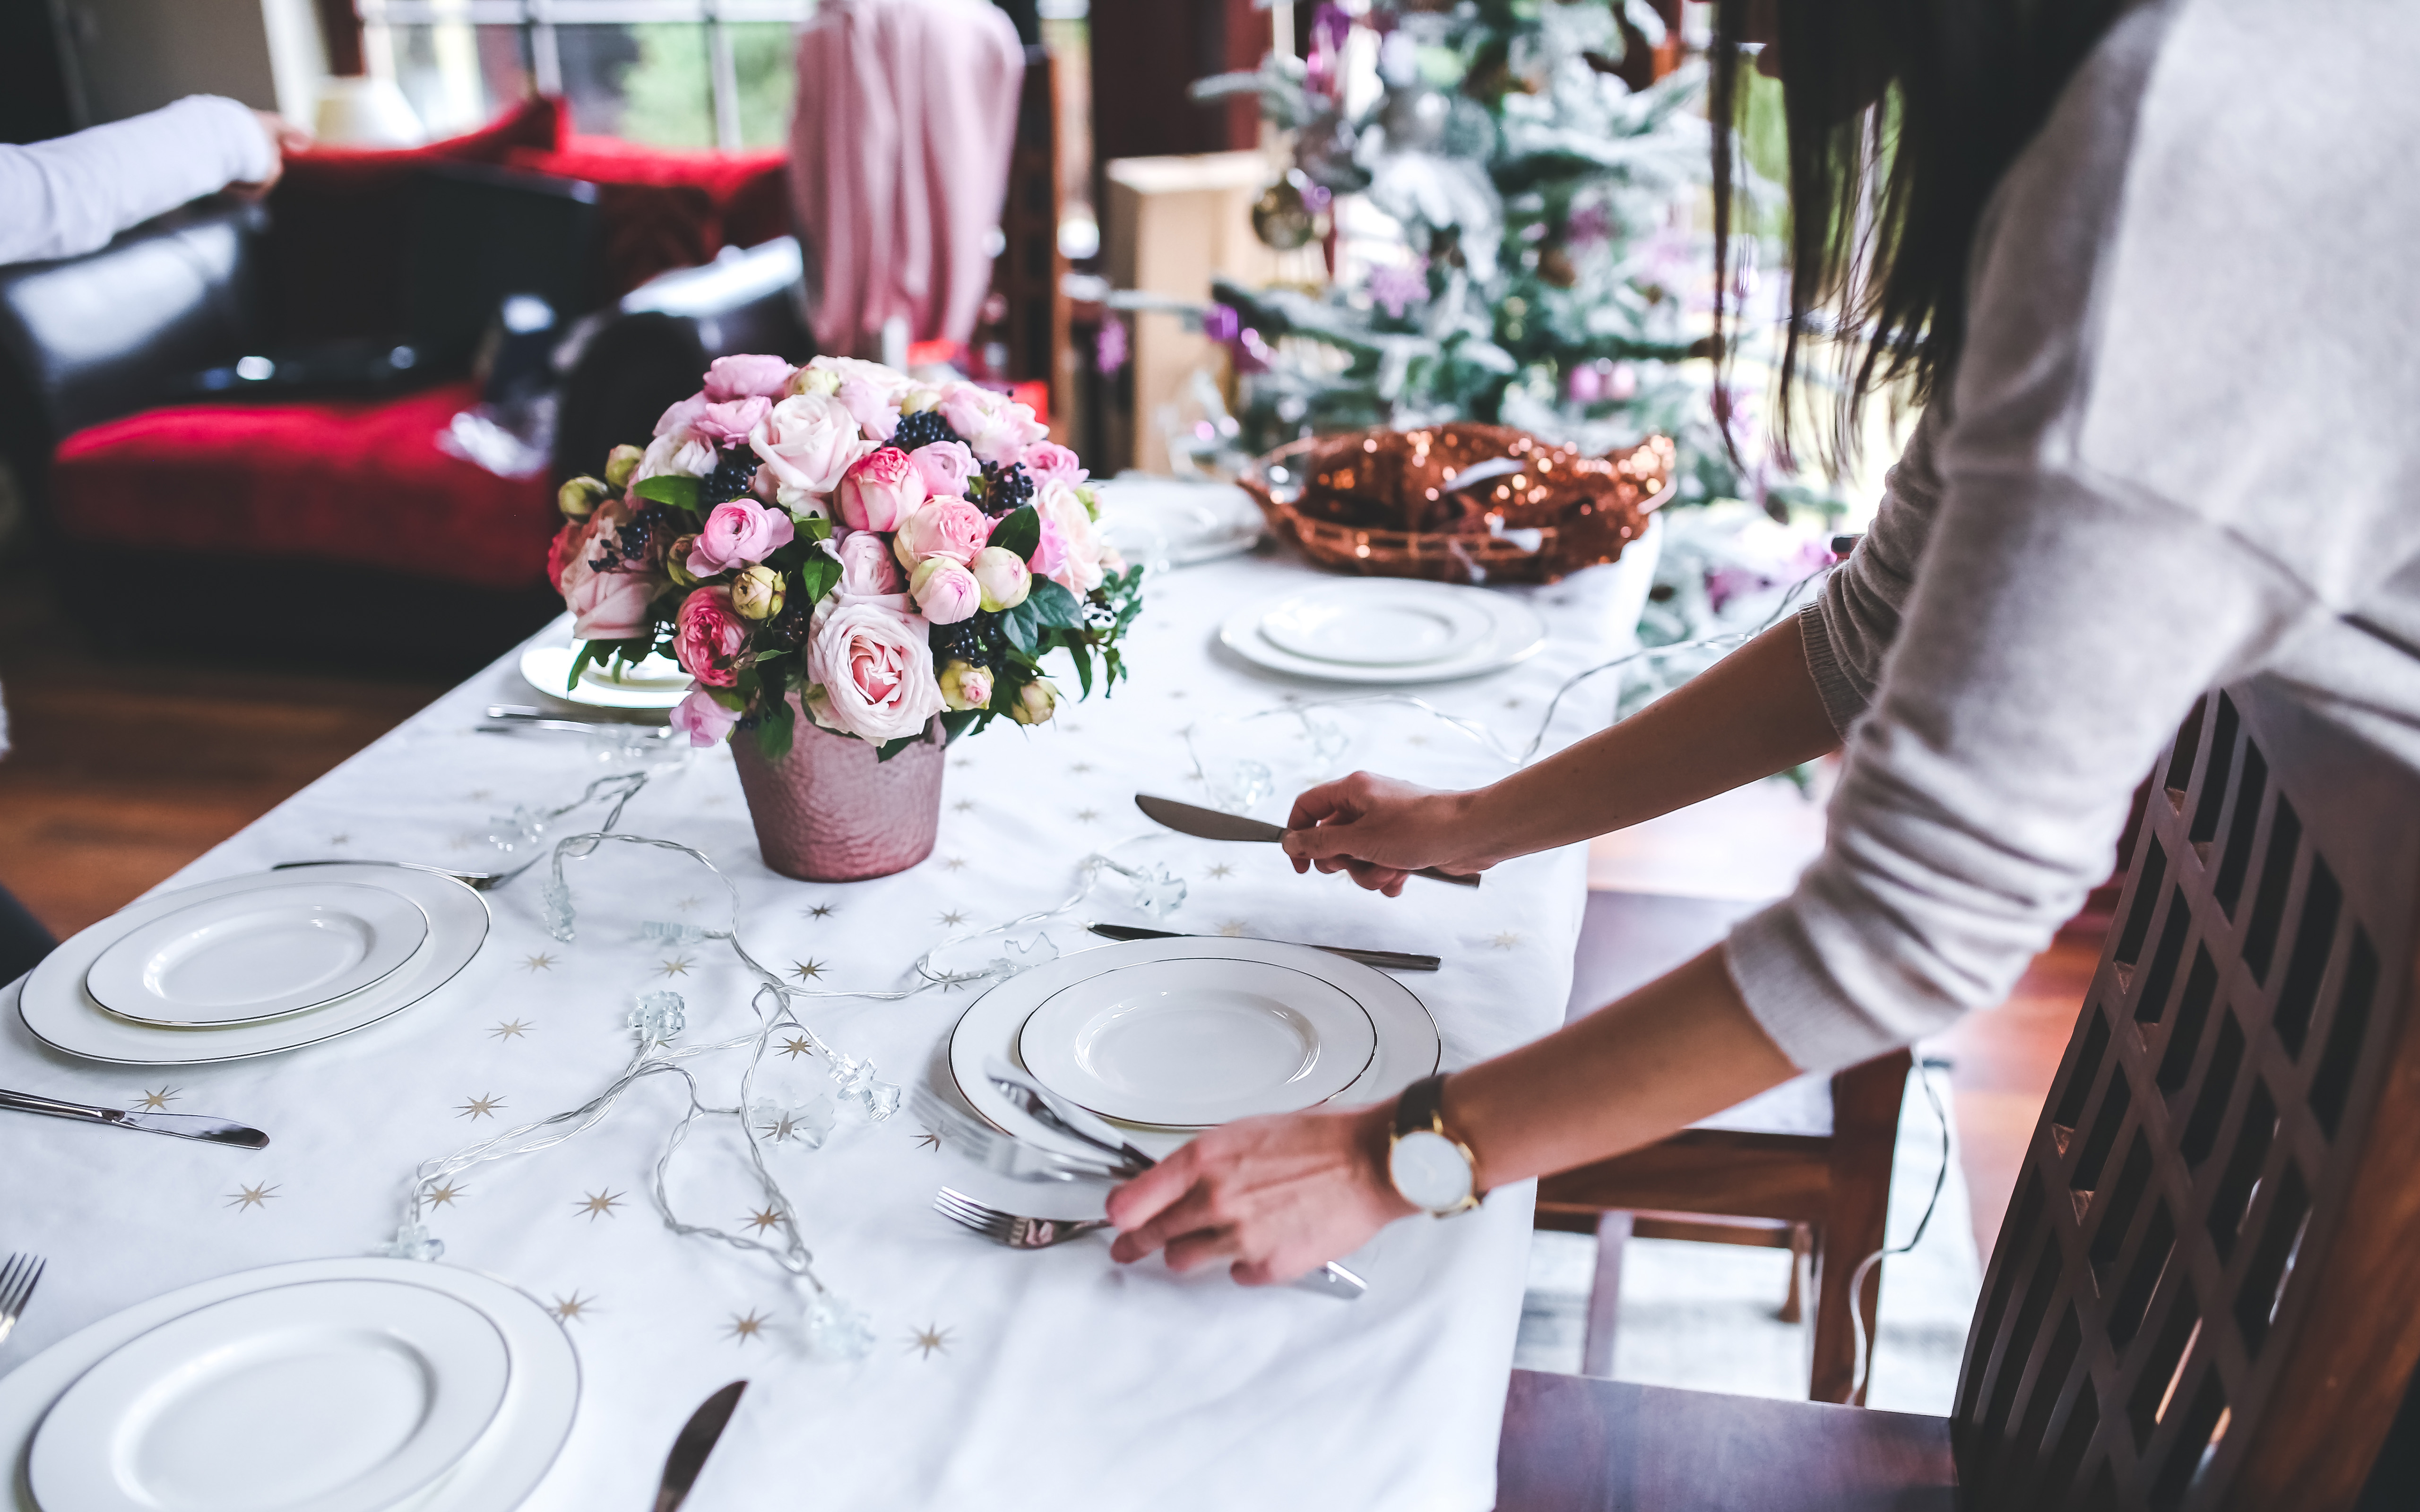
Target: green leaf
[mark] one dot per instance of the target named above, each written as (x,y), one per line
(956,721)
(1020,626)
(893,748)
(773,731)
(818,576)
(1051,604)
(670,488)
(1083,668)
(580,664)
(1020,532)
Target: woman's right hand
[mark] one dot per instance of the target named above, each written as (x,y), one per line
(1379,831)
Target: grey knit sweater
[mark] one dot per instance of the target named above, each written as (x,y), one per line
(2182,448)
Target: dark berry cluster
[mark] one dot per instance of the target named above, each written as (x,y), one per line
(962,641)
(787,630)
(1005,489)
(733,471)
(627,548)
(923,429)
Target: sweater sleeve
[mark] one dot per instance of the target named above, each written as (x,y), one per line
(1849,627)
(69,195)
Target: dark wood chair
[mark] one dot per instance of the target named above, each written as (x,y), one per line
(2202,1296)
(1805,1168)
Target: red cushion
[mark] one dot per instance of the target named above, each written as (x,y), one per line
(661,209)
(359,485)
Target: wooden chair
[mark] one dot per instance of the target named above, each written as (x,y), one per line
(1805,1168)
(2202,1296)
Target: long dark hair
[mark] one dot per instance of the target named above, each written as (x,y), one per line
(1902,114)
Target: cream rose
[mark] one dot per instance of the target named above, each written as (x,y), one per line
(874,669)
(809,440)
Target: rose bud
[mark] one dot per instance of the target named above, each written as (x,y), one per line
(579,498)
(822,381)
(677,562)
(620,463)
(945,590)
(1004,578)
(756,593)
(916,401)
(950,528)
(965,686)
(1036,702)
(879,490)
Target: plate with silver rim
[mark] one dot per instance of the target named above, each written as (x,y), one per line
(249,956)
(1352,620)
(657,683)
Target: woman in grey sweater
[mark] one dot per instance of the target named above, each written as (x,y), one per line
(2149,264)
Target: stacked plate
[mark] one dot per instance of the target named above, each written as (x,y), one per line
(657,683)
(1169,1037)
(1386,630)
(1177,521)
(349,1385)
(253,965)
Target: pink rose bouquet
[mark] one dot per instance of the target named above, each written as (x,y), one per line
(841,539)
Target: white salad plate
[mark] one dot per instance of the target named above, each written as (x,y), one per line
(1429,617)
(257,955)
(321,1397)
(55,1006)
(1177,520)
(1192,1042)
(1406,1049)
(541,1392)
(655,683)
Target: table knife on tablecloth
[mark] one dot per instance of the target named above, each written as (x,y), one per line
(180,1125)
(1390,960)
(697,1440)
(1213,824)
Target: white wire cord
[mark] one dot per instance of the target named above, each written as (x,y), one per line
(1866,1326)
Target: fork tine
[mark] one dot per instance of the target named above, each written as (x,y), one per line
(961,1208)
(17,1282)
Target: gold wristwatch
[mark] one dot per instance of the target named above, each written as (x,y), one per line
(1432,1169)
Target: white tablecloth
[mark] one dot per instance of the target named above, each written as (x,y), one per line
(997,1379)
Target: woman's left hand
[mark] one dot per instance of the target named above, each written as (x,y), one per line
(1276,1197)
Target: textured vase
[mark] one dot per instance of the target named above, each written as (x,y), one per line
(829,811)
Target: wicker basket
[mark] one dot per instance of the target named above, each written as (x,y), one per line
(1403,504)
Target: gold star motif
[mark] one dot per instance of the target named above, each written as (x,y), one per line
(599,1204)
(795,1045)
(1176,692)
(1085,816)
(820,911)
(575,1306)
(1222,870)
(1080,766)
(481,1107)
(806,970)
(752,1326)
(953,919)
(1506,940)
(1415,740)
(157,1101)
(1233,929)
(440,1196)
(1512,703)
(511,1029)
(932,1336)
(955,864)
(764,1219)
(688,903)
(340,840)
(930,1140)
(964,805)
(540,961)
(678,966)
(481,795)
(252,1197)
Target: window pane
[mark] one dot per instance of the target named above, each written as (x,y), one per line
(764,57)
(457,76)
(644,82)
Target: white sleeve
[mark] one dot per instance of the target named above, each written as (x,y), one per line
(69,195)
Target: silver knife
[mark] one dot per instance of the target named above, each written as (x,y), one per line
(180,1125)
(1392,959)
(696,1441)
(1213,824)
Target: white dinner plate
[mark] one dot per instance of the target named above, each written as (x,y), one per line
(1177,520)
(541,1395)
(321,1397)
(1407,1045)
(52,1001)
(1518,634)
(1192,1041)
(257,955)
(1382,623)
(652,683)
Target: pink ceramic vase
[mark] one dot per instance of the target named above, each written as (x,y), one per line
(829,811)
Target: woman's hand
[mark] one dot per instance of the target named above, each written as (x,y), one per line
(1379,831)
(1276,1197)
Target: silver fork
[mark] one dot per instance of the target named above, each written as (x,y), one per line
(1012,1229)
(479,881)
(17,1280)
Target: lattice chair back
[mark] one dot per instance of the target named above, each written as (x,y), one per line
(2206,1293)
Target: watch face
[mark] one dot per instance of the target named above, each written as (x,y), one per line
(1429,1170)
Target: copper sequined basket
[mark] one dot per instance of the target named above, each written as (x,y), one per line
(1395,504)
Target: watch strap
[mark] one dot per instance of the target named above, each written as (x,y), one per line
(1421,1106)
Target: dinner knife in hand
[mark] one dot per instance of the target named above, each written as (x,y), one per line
(1213,824)
(697,1440)
(180,1125)
(1390,960)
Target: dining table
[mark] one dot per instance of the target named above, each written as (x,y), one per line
(988,1376)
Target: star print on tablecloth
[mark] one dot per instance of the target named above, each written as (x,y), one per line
(574,1306)
(743,1329)
(763,1218)
(1512,703)
(340,840)
(678,966)
(481,795)
(440,1196)
(931,1338)
(1506,939)
(481,1107)
(599,1204)
(1079,767)
(509,1029)
(795,1045)
(252,1197)
(1222,871)
(807,970)
(540,961)
(688,903)
(1085,816)
(1415,740)
(1233,929)
(964,805)
(819,911)
(930,1139)
(158,1101)
(953,919)
(954,863)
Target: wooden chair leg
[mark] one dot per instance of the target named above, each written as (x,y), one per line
(1605,1295)
(1802,1248)
(1865,1134)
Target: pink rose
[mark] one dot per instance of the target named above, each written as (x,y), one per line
(702,720)
(1070,552)
(809,441)
(995,427)
(566,549)
(679,453)
(707,633)
(945,590)
(871,406)
(737,533)
(677,421)
(873,670)
(606,598)
(866,570)
(950,528)
(750,376)
(1049,462)
(880,490)
(946,466)
(728,424)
